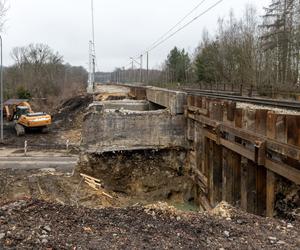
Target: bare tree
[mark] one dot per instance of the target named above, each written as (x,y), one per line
(3,12)
(41,72)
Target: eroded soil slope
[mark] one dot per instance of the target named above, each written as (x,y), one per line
(152,175)
(56,187)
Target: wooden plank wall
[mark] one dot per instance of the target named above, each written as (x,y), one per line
(245,178)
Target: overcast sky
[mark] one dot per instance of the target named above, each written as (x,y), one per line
(123,28)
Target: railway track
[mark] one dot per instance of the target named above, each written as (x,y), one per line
(291,105)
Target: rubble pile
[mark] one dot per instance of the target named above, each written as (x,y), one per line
(35,224)
(70,113)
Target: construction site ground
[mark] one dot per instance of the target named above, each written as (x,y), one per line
(48,208)
(36,224)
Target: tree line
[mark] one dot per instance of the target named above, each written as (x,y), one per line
(251,50)
(41,73)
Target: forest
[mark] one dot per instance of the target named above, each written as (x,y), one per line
(39,72)
(253,50)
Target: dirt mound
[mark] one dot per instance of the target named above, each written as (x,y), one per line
(70,113)
(35,224)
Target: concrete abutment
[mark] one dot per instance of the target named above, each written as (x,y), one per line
(163,144)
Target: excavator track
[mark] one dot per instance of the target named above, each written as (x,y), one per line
(20,130)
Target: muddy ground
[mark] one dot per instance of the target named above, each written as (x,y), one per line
(35,224)
(53,186)
(66,125)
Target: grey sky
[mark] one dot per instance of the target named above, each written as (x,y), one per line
(123,28)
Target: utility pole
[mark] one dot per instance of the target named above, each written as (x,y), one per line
(1,89)
(141,69)
(92,55)
(93,22)
(93,41)
(147,67)
(132,71)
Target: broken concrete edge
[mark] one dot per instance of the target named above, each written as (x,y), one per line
(126,104)
(117,149)
(125,112)
(175,101)
(126,101)
(39,158)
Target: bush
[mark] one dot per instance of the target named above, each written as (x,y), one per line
(23,93)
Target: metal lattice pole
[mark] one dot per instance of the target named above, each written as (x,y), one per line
(2,95)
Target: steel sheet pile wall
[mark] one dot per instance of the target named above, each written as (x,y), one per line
(237,155)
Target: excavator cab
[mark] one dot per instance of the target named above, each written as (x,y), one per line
(21,110)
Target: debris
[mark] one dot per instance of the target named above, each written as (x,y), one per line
(47,228)
(44,241)
(87,229)
(280,242)
(223,209)
(107,195)
(272,238)
(111,228)
(2,235)
(227,234)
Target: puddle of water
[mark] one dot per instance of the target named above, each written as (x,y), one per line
(187,207)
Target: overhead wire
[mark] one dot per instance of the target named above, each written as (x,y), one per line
(187,24)
(165,38)
(178,23)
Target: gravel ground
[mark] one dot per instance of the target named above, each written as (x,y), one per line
(35,224)
(281,111)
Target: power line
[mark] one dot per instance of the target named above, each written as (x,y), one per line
(178,23)
(156,44)
(187,24)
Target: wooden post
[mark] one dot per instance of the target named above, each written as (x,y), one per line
(261,180)
(261,173)
(273,123)
(235,162)
(293,130)
(215,173)
(244,184)
(234,159)
(206,156)
(271,193)
(227,178)
(251,187)
(25,148)
(249,168)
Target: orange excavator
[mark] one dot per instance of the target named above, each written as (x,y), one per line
(19,111)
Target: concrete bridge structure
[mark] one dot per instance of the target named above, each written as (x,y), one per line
(237,153)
